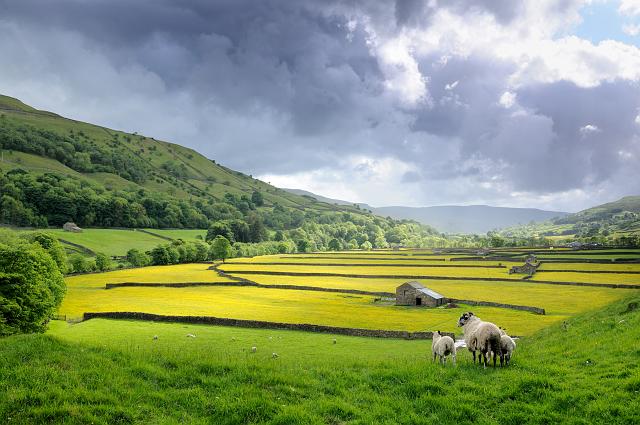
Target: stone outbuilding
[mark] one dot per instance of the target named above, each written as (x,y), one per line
(71,227)
(527,268)
(413,293)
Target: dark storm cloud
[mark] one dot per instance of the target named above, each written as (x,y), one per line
(287,86)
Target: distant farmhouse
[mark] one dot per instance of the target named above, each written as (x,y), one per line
(413,293)
(71,227)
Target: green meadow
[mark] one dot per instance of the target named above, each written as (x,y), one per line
(105,372)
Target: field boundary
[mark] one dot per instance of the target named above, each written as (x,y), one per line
(166,238)
(78,246)
(259,324)
(409,277)
(552,260)
(588,271)
(535,310)
(469,266)
(248,284)
(380,257)
(532,309)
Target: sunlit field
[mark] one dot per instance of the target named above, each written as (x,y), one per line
(86,293)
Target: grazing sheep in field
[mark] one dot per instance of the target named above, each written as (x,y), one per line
(254,349)
(507,345)
(191,336)
(274,355)
(480,336)
(442,346)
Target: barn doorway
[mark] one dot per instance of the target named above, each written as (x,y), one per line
(418,301)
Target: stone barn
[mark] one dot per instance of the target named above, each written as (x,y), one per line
(71,227)
(526,268)
(413,293)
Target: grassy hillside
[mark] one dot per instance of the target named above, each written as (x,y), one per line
(192,175)
(583,372)
(614,221)
(54,170)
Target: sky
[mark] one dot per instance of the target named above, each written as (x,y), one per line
(407,102)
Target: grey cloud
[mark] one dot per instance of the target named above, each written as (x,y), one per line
(288,86)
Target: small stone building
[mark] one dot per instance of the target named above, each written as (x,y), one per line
(526,268)
(71,227)
(413,293)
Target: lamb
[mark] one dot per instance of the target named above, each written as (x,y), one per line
(480,336)
(507,345)
(442,346)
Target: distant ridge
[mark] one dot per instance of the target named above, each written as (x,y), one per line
(453,218)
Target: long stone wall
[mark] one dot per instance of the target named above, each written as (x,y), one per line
(248,283)
(366,265)
(258,324)
(426,277)
(536,310)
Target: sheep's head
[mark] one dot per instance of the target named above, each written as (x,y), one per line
(464,319)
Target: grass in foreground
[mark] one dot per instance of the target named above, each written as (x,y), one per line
(114,372)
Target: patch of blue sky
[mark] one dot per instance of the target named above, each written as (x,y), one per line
(602,21)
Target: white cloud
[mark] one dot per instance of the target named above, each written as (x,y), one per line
(451,86)
(629,7)
(589,129)
(403,77)
(631,30)
(508,99)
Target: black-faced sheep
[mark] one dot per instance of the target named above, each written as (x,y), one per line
(480,336)
(442,346)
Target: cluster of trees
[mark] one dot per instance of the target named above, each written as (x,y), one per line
(31,282)
(75,150)
(53,199)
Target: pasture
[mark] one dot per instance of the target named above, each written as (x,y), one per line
(332,274)
(106,371)
(575,364)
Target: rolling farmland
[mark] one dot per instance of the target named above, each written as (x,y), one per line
(313,289)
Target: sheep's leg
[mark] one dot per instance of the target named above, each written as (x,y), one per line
(501,359)
(453,358)
(474,357)
(434,357)
(494,359)
(444,360)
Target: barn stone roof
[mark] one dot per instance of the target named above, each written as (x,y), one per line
(429,292)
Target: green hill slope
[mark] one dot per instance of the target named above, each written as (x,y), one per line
(54,170)
(614,222)
(118,160)
(104,371)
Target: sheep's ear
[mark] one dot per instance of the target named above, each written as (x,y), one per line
(470,314)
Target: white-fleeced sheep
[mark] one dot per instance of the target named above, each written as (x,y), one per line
(442,346)
(507,345)
(480,336)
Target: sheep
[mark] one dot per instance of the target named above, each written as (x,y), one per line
(335,341)
(254,349)
(507,345)
(480,336)
(191,336)
(442,346)
(274,355)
